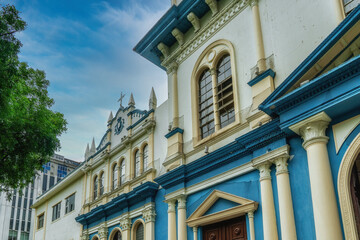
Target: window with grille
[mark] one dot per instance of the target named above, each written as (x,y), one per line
(114,176)
(122,172)
(145,157)
(40,221)
(102,181)
(221,111)
(56,211)
(139,234)
(70,203)
(225,99)
(137,163)
(206,106)
(95,188)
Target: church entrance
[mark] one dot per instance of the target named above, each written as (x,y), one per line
(234,229)
(355,191)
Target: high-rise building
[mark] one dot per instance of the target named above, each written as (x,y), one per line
(16,215)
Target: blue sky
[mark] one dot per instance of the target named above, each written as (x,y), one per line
(85,48)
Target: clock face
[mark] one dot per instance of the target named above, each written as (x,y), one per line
(119,125)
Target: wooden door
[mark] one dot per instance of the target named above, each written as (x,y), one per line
(234,229)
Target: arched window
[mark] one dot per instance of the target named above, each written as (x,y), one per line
(114,176)
(95,192)
(122,172)
(224,91)
(137,163)
(117,236)
(145,157)
(102,180)
(206,104)
(139,232)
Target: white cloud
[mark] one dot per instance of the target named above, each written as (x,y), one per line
(89,66)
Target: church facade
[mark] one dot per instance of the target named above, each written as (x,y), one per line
(259,138)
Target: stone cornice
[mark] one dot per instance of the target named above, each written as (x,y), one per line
(206,32)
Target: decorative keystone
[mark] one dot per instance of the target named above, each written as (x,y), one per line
(194,21)
(178,35)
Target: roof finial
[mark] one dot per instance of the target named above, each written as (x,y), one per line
(152,100)
(87,151)
(131,101)
(93,148)
(110,117)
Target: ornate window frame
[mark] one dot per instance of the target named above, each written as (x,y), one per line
(95,237)
(101,184)
(115,165)
(95,179)
(209,59)
(346,205)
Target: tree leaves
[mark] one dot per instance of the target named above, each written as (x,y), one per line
(29,128)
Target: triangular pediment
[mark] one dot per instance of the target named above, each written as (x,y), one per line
(240,206)
(339,47)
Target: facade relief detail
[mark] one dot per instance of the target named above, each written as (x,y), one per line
(264,170)
(125,223)
(281,165)
(149,214)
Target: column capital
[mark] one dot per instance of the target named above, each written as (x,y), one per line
(125,223)
(312,129)
(250,214)
(253,3)
(281,165)
(171,205)
(182,202)
(195,229)
(84,235)
(149,214)
(103,232)
(264,170)
(213,71)
(172,68)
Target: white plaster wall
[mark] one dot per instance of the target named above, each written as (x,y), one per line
(65,227)
(291,30)
(160,142)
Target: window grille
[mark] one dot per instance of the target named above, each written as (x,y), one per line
(145,157)
(206,108)
(140,232)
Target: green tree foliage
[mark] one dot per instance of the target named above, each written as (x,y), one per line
(29,129)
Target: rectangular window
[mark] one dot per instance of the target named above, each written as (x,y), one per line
(24,236)
(52,181)
(70,203)
(40,221)
(12,235)
(44,185)
(56,211)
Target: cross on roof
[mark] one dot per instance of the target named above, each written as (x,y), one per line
(121,99)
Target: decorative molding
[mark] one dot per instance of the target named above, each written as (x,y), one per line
(199,219)
(260,77)
(206,32)
(194,21)
(149,214)
(213,6)
(178,35)
(312,129)
(174,131)
(172,68)
(125,223)
(250,214)
(345,200)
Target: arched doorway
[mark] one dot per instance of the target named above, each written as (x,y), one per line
(349,190)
